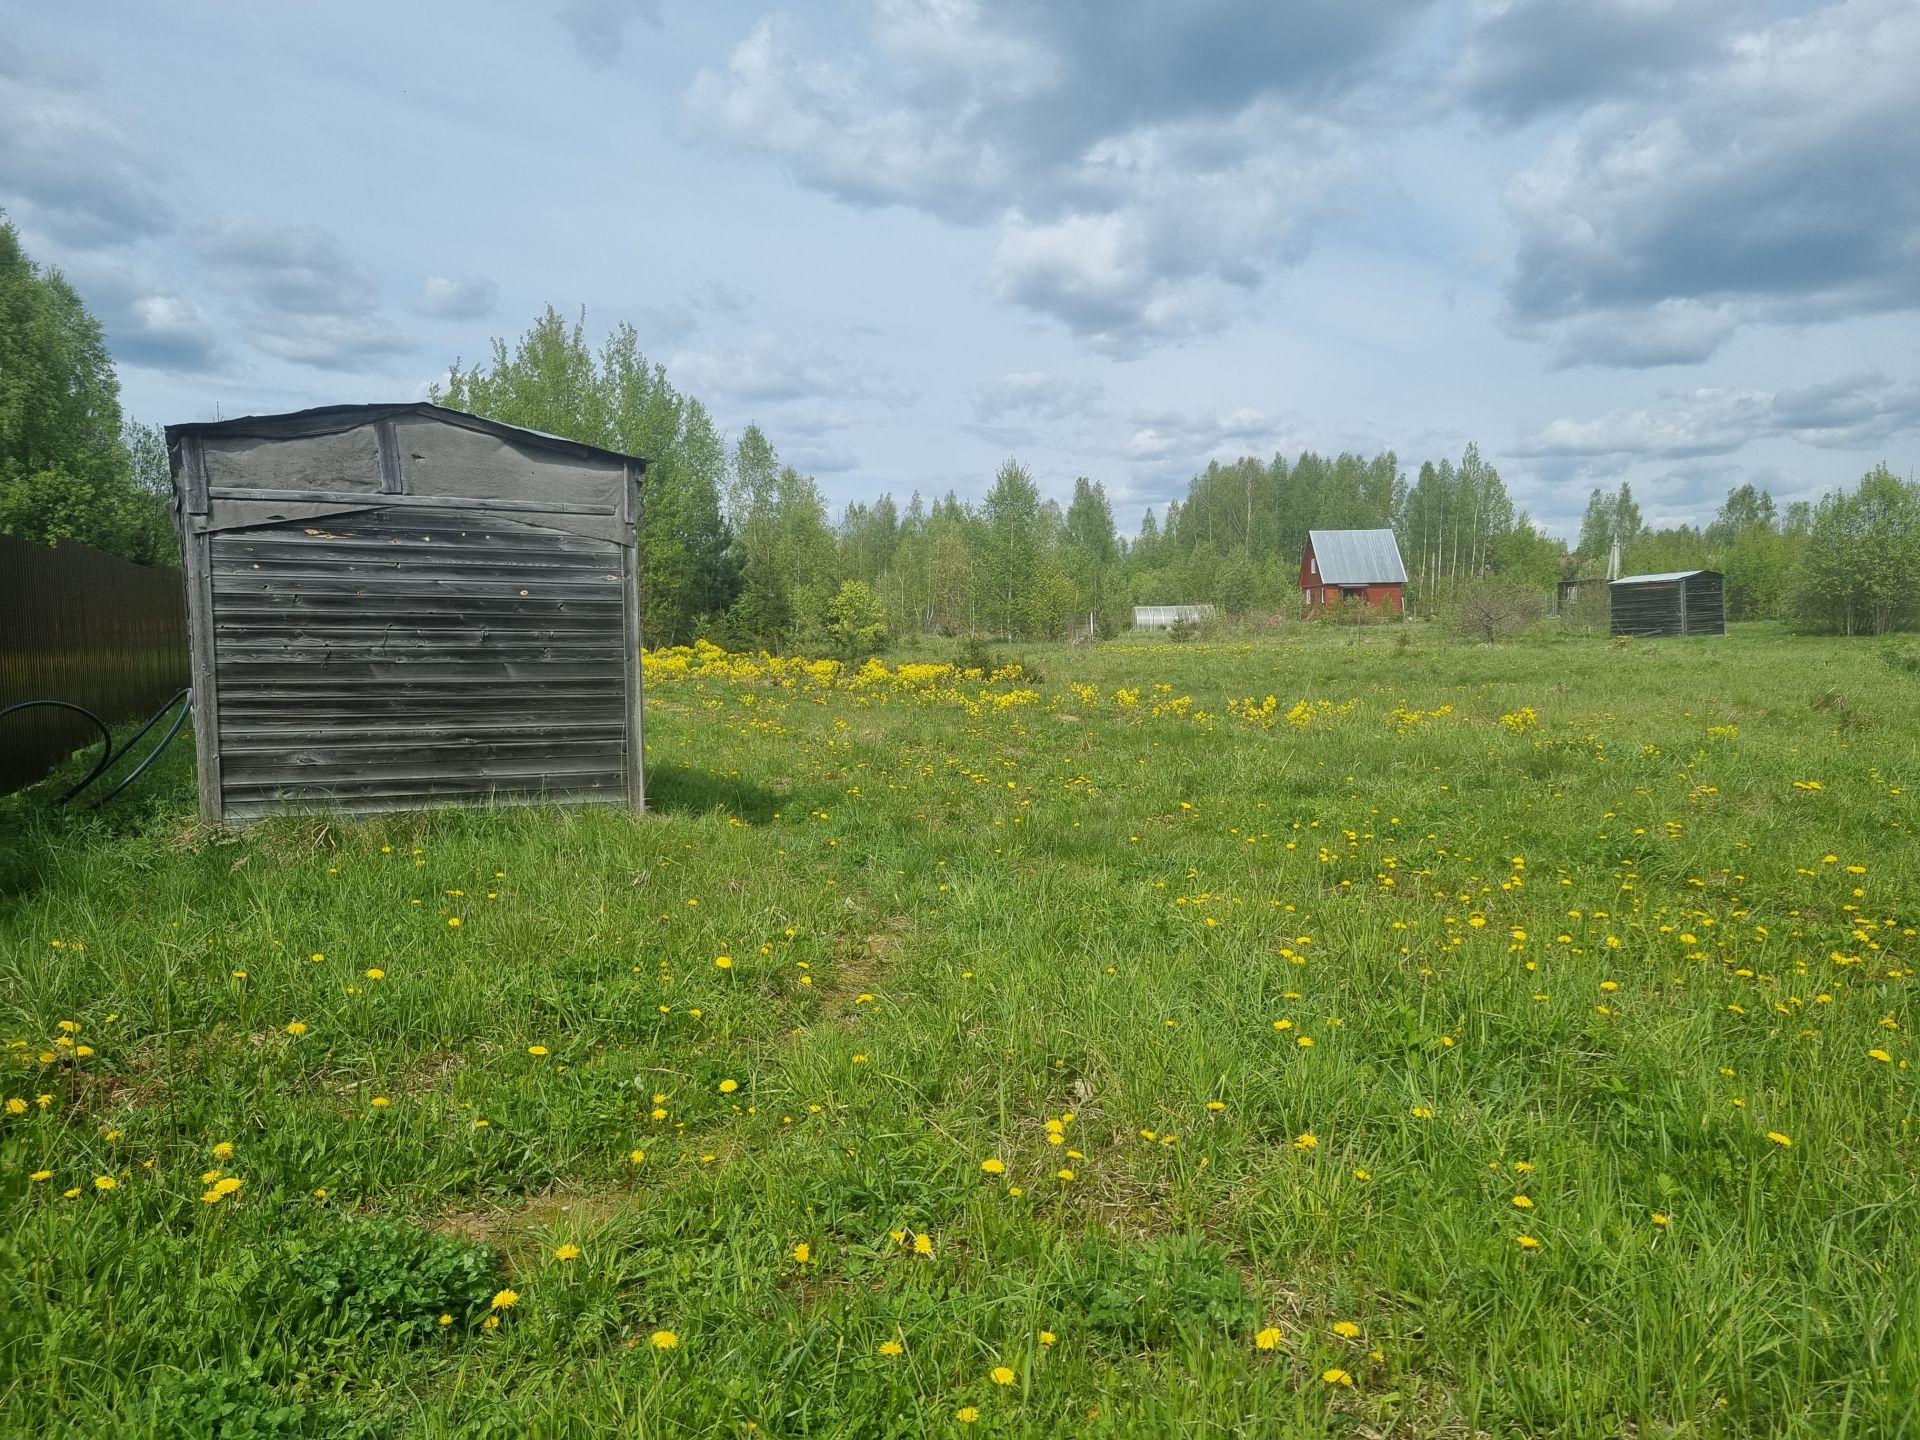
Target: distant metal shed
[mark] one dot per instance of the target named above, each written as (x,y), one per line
(392,607)
(1679,602)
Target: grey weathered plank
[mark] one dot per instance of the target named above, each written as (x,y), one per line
(630,614)
(404,800)
(407,502)
(298,728)
(202,654)
(303,765)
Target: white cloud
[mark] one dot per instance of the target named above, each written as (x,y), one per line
(599,27)
(1037,395)
(469,298)
(69,167)
(1854,411)
(1770,186)
(304,299)
(1146,165)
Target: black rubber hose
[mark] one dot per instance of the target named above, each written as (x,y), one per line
(153,754)
(107,751)
(127,746)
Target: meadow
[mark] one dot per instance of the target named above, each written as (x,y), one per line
(1346,1033)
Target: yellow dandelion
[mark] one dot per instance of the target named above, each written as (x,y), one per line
(1661,1220)
(967,1414)
(1526,1242)
(725,962)
(727,1087)
(664,1340)
(39,1175)
(536,1049)
(1781,1140)
(993,1166)
(1002,1375)
(297,1028)
(104,1182)
(376,973)
(923,1244)
(1047,1337)
(1306,1140)
(802,1252)
(1346,1329)
(1268,1339)
(1523,1202)
(567,1252)
(505,1299)
(891,1348)
(1336,1376)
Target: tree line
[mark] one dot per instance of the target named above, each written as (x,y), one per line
(1847,564)
(72,467)
(741,548)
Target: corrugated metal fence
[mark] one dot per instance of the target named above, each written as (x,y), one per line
(78,624)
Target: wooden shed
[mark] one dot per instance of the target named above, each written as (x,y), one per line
(1680,602)
(391,607)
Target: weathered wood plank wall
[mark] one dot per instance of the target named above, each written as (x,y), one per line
(378,649)
(386,660)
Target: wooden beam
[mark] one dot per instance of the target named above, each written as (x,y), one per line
(196,545)
(636,700)
(373,499)
(391,480)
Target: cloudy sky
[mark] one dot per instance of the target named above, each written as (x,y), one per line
(1670,241)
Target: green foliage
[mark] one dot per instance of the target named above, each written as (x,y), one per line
(1011,543)
(551,380)
(1153,1292)
(65,473)
(1612,518)
(382,1276)
(1859,569)
(216,1404)
(855,619)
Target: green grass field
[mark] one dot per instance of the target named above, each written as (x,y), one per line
(1511,1042)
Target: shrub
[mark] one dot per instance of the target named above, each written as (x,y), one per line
(975,652)
(1493,610)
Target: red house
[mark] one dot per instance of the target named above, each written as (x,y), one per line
(1352,564)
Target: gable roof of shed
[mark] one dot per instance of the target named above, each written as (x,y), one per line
(1358,557)
(1662,576)
(333,419)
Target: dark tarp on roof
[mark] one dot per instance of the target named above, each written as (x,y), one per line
(336,419)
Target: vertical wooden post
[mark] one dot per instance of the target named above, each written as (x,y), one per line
(196,546)
(391,480)
(630,590)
